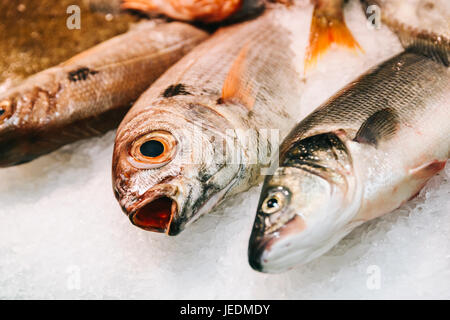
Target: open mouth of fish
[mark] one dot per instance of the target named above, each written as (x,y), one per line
(155,215)
(156,210)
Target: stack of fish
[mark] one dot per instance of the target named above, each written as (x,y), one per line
(208,113)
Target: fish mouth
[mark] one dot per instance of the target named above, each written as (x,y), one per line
(261,255)
(155,215)
(256,253)
(157,211)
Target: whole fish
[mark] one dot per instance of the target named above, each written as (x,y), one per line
(196,10)
(202,131)
(362,154)
(90,93)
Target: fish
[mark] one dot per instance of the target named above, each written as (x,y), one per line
(362,154)
(90,93)
(200,134)
(208,11)
(328,27)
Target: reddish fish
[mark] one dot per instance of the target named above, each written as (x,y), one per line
(201,133)
(90,93)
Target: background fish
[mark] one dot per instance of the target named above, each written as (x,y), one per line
(362,154)
(328,27)
(179,152)
(195,10)
(90,93)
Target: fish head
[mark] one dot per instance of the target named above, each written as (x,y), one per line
(304,209)
(28,119)
(169,166)
(15,144)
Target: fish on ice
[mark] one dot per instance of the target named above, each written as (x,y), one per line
(204,130)
(90,93)
(360,155)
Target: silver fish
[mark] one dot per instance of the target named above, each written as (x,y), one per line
(90,93)
(362,154)
(181,149)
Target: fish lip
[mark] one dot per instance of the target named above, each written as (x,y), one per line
(165,193)
(261,243)
(257,250)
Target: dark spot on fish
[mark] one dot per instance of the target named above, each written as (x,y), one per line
(220,101)
(429,5)
(2,112)
(81,74)
(175,90)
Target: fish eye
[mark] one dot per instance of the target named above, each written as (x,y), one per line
(5,109)
(275,201)
(153,150)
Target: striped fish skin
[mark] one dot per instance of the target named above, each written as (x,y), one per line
(362,154)
(261,57)
(90,93)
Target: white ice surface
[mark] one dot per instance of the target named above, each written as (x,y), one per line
(63,235)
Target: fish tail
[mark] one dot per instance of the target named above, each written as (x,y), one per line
(140,5)
(327,27)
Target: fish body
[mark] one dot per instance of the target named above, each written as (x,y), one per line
(197,136)
(362,154)
(193,10)
(90,93)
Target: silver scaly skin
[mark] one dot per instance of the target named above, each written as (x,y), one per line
(362,154)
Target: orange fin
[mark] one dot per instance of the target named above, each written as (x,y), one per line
(428,170)
(327,27)
(237,86)
(140,5)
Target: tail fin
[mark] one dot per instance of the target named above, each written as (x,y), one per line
(327,27)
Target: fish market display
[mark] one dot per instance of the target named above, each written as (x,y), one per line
(90,93)
(362,154)
(201,132)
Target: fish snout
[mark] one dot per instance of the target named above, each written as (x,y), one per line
(257,252)
(267,248)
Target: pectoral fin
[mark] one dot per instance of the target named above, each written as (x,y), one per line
(380,126)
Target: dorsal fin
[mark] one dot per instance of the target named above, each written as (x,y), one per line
(237,86)
(433,47)
(426,43)
(380,126)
